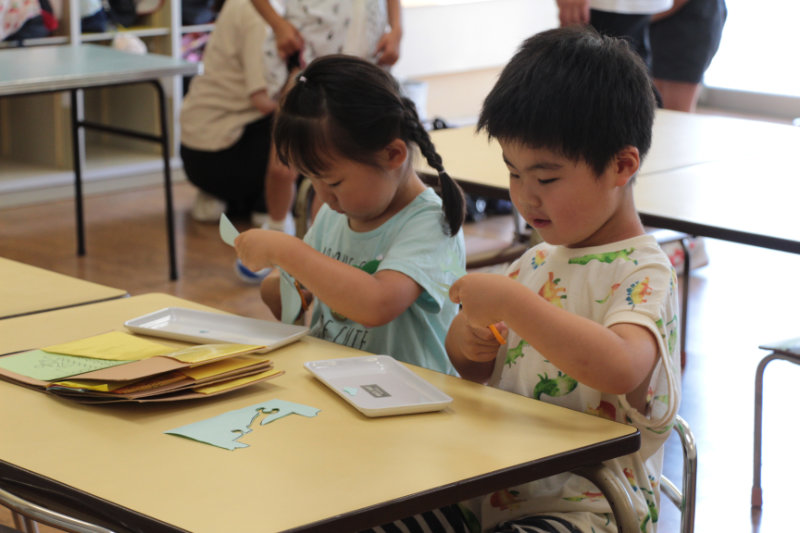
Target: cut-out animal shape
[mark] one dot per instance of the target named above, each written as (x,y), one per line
(225,430)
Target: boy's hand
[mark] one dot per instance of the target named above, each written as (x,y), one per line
(479,344)
(472,350)
(480,296)
(257,248)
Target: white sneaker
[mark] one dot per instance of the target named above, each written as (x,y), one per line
(259,219)
(286,225)
(207,208)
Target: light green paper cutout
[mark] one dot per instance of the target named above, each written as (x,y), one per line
(225,430)
(47,366)
(291,305)
(227,230)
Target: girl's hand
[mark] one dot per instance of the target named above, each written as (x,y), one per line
(480,296)
(256,247)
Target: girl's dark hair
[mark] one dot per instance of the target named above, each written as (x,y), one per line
(345,106)
(576,92)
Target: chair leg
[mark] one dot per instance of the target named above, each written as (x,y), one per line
(612,489)
(24,524)
(756,496)
(689,485)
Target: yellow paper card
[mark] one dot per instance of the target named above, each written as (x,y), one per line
(89,385)
(209,352)
(219,387)
(115,346)
(220,367)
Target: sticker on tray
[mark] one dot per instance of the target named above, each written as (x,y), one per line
(376,391)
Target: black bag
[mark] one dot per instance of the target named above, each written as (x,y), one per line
(122,12)
(197,12)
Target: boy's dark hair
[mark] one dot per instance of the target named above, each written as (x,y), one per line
(576,92)
(345,106)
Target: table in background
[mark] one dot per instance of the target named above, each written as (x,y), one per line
(26,289)
(72,68)
(744,200)
(712,176)
(339,471)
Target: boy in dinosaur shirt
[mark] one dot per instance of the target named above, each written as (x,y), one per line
(589,314)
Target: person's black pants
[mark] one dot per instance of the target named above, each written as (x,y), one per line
(633,28)
(235,175)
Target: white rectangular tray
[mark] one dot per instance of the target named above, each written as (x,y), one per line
(378,385)
(204,327)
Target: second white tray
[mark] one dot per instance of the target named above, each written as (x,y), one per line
(378,385)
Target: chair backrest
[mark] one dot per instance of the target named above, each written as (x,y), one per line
(684,498)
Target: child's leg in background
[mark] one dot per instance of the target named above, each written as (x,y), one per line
(448,519)
(279,188)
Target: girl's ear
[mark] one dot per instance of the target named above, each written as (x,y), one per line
(625,165)
(394,154)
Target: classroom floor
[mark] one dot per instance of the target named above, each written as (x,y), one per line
(742,298)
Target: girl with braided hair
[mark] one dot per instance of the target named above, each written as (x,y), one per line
(385,248)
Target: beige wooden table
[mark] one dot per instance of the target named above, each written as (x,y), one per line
(338,471)
(26,289)
(679,140)
(749,200)
(719,177)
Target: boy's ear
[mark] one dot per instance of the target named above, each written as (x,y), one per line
(394,154)
(625,165)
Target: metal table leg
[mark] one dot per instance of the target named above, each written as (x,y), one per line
(79,124)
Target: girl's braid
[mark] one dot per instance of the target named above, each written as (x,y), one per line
(453,202)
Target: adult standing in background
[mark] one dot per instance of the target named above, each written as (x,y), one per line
(676,39)
(370,29)
(684,40)
(307,29)
(226,118)
(629,19)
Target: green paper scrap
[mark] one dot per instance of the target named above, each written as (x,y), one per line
(291,305)
(47,366)
(227,230)
(225,430)
(350,390)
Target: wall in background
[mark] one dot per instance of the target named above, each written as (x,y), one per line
(457,47)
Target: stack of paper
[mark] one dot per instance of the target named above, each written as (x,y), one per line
(120,367)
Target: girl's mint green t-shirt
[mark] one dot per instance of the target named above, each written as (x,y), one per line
(412,242)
